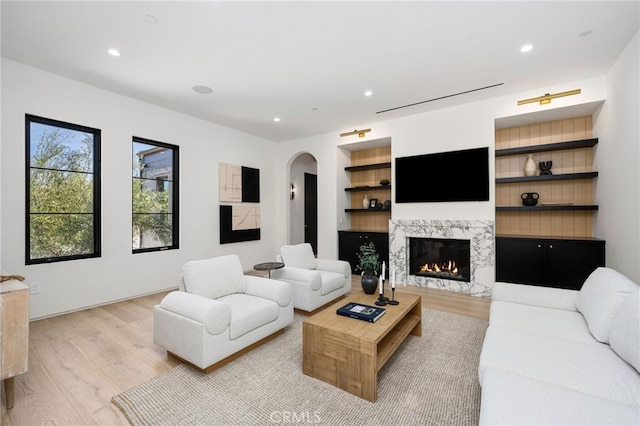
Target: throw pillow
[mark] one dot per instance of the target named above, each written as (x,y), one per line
(624,336)
(299,256)
(215,277)
(600,298)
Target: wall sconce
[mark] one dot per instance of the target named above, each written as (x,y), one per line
(293,191)
(546,99)
(360,133)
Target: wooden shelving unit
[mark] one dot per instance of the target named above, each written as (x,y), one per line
(568,192)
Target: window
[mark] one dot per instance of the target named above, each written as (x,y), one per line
(154,196)
(63,191)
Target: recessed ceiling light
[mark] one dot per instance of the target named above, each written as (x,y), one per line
(151,19)
(368,93)
(526,48)
(276,119)
(113,52)
(203,90)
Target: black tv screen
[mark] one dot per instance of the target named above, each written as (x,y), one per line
(443,177)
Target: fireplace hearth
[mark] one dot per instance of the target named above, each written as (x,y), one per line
(440,258)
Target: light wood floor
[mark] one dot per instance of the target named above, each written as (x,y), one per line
(78,361)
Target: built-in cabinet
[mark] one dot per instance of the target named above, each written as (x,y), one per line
(550,262)
(349,243)
(551,243)
(368,223)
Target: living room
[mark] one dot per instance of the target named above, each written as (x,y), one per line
(611,99)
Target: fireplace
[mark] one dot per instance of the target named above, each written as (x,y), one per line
(445,258)
(478,269)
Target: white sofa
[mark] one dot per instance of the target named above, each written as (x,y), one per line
(218,311)
(563,357)
(314,282)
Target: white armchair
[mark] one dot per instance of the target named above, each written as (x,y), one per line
(315,282)
(219,312)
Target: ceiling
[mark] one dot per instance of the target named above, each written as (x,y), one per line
(309,63)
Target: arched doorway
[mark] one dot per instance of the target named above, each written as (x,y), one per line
(303,214)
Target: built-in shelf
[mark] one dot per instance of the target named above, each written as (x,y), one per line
(368,167)
(566,176)
(367,188)
(366,210)
(584,143)
(540,208)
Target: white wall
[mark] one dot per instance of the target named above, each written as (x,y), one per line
(618,159)
(119,274)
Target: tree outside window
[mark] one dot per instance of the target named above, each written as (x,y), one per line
(63,191)
(154,196)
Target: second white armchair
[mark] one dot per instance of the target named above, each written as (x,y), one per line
(315,282)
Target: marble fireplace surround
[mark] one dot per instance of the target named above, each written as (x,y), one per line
(480,233)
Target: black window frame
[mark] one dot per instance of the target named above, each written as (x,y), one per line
(96,204)
(175,196)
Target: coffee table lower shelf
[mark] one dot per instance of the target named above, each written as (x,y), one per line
(348,353)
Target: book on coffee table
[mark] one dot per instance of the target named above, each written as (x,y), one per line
(361,312)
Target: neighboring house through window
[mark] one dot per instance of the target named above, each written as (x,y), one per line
(63,191)
(155,196)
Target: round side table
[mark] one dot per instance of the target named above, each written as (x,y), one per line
(268,266)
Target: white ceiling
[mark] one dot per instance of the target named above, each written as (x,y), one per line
(309,63)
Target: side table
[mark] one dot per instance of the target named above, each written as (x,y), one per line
(14,321)
(268,266)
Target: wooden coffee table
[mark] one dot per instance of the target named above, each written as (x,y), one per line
(347,352)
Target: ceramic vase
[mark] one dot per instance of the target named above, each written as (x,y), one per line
(530,166)
(365,202)
(369,283)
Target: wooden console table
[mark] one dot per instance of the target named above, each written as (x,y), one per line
(347,352)
(14,343)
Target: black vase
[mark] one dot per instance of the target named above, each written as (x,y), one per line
(369,283)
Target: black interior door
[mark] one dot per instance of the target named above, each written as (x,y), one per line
(311,211)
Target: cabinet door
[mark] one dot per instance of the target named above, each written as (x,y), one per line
(569,263)
(520,261)
(349,244)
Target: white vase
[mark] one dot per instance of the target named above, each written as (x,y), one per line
(365,201)
(530,166)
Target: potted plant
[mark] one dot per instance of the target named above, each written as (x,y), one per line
(368,264)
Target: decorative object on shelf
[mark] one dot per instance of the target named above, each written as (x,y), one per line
(384,182)
(546,98)
(387,205)
(529,199)
(378,206)
(368,264)
(365,202)
(545,167)
(373,203)
(530,166)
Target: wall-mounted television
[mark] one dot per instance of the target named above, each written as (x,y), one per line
(443,177)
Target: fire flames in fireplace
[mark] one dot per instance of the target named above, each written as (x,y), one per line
(446,268)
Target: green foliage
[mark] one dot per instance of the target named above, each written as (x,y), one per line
(368,258)
(150,213)
(61,196)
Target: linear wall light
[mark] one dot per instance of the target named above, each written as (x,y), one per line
(360,133)
(546,99)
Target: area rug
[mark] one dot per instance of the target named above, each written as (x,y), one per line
(430,380)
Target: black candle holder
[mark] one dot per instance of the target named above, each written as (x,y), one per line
(393,300)
(382,301)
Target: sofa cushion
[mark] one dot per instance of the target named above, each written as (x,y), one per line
(299,255)
(552,322)
(512,399)
(214,278)
(624,336)
(249,313)
(594,369)
(600,298)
